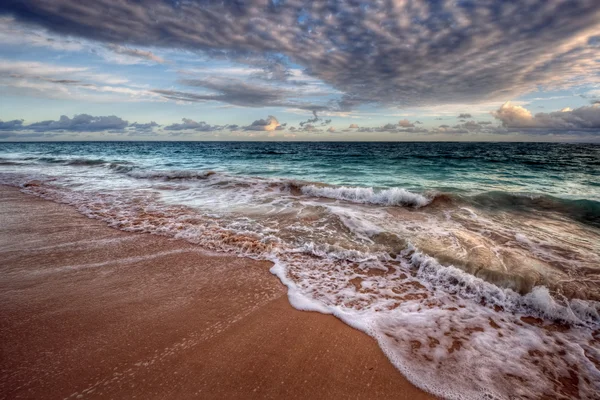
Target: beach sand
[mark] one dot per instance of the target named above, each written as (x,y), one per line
(87,311)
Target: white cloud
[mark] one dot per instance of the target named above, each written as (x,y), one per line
(580,119)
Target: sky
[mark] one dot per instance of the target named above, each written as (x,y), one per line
(356,70)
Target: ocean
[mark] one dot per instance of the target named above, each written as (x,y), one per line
(475,266)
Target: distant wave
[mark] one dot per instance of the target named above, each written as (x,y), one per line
(586,211)
(85,161)
(9,162)
(171,175)
(72,161)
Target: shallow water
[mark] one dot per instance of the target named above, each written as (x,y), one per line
(475,266)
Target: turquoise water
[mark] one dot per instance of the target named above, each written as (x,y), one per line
(570,171)
(420,245)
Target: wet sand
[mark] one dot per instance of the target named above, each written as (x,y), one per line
(87,311)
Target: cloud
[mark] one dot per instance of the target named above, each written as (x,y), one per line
(142,129)
(310,128)
(13,33)
(388,127)
(353,126)
(80,123)
(312,120)
(372,52)
(191,125)
(136,53)
(49,80)
(465,116)
(585,118)
(470,126)
(331,129)
(404,123)
(30,135)
(269,124)
(13,125)
(240,93)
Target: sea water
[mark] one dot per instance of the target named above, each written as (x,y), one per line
(476,266)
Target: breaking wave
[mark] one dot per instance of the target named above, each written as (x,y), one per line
(386,197)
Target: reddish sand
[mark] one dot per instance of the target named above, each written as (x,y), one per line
(87,311)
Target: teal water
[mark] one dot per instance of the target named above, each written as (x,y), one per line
(566,170)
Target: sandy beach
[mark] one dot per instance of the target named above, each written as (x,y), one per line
(87,311)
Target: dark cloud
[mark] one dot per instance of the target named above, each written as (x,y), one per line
(80,123)
(142,129)
(403,127)
(312,120)
(65,81)
(310,128)
(465,116)
(405,53)
(191,125)
(269,124)
(13,125)
(582,119)
(241,93)
(315,119)
(469,126)
(136,53)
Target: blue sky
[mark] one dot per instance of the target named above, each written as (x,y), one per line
(300,70)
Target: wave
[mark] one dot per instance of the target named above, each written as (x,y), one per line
(275,153)
(9,162)
(84,162)
(583,210)
(72,161)
(539,302)
(385,197)
(171,175)
(586,211)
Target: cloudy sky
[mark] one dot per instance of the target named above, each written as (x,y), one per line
(459,70)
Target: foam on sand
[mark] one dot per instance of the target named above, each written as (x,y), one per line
(450,332)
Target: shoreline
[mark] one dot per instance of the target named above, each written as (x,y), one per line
(91,311)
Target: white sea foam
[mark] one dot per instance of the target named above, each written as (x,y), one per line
(440,335)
